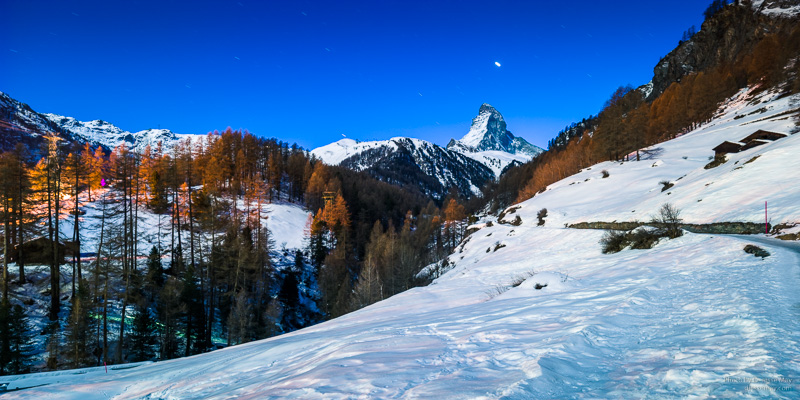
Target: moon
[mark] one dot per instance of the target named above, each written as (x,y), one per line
(497,63)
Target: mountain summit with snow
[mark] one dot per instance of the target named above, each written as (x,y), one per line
(492,144)
(488,132)
(109,135)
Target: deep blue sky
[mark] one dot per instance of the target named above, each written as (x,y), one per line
(310,71)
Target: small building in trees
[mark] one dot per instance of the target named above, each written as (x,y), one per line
(727,147)
(39,251)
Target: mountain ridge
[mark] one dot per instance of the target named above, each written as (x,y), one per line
(20,123)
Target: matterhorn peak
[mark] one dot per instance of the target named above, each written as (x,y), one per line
(488,132)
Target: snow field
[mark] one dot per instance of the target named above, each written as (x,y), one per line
(676,320)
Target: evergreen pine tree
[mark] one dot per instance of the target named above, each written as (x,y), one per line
(154,280)
(142,338)
(194,316)
(77,349)
(21,341)
(15,339)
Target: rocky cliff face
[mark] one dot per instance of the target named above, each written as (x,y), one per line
(731,32)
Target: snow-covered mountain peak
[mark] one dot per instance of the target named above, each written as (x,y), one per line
(489,124)
(488,132)
(110,135)
(489,142)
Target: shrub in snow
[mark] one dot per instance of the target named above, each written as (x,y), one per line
(541,216)
(505,212)
(665,185)
(522,278)
(668,218)
(517,221)
(496,291)
(756,251)
(716,162)
(605,173)
(643,238)
(614,241)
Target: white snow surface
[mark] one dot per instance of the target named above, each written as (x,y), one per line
(286,222)
(693,317)
(336,152)
(496,160)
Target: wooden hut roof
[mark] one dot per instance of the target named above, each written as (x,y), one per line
(763,135)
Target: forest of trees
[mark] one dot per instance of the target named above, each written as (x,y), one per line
(207,278)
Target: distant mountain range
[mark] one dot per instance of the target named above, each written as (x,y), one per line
(21,124)
(481,155)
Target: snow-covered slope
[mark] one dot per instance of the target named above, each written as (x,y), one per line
(406,161)
(336,152)
(489,142)
(539,312)
(688,318)
(734,191)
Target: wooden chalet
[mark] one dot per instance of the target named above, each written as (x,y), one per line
(727,147)
(753,143)
(40,251)
(755,139)
(763,136)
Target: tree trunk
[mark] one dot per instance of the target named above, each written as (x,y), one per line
(20,255)
(5,248)
(97,280)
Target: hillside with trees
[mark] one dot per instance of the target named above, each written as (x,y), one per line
(167,253)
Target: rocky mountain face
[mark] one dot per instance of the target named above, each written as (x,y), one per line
(488,132)
(21,124)
(730,32)
(405,161)
(483,154)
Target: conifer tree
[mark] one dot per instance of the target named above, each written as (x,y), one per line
(78,331)
(15,339)
(143,337)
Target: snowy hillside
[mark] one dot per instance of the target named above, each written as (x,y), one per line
(336,152)
(733,191)
(534,311)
